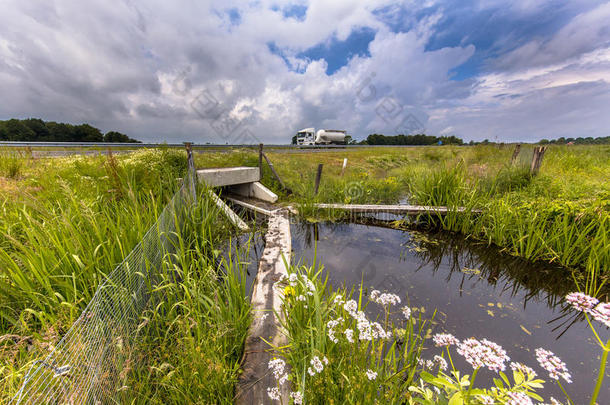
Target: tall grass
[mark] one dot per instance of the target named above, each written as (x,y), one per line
(61,233)
(328,365)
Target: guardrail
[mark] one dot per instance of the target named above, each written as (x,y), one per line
(19,144)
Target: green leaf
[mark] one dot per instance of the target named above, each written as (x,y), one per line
(456,399)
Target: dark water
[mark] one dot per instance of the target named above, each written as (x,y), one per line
(478,292)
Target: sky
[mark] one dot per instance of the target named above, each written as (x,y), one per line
(257,71)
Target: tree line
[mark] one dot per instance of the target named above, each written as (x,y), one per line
(417,139)
(37,130)
(580,140)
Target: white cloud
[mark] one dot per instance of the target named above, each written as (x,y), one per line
(156,69)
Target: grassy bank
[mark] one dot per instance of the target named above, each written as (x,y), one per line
(561,215)
(66,223)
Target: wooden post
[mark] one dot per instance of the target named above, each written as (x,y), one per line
(191,174)
(277,176)
(260,160)
(537,159)
(344,166)
(515,154)
(318,178)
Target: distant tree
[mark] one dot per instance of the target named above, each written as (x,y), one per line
(34,129)
(294,140)
(416,139)
(543,141)
(114,136)
(349,140)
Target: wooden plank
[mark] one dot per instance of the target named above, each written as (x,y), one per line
(237,221)
(249,206)
(266,302)
(392,209)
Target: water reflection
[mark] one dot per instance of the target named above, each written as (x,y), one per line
(478,290)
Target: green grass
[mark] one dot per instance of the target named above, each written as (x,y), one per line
(66,222)
(561,215)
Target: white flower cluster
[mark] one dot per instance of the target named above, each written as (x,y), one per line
(486,399)
(518,398)
(278,366)
(406,312)
(349,335)
(331,328)
(317,364)
(366,330)
(445,339)
(553,364)
(429,364)
(442,363)
(371,375)
(590,305)
(274,393)
(385,299)
(292,280)
(483,353)
(523,368)
(297,398)
(338,300)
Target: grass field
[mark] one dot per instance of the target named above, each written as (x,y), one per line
(562,215)
(68,221)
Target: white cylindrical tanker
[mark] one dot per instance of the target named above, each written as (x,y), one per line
(328,136)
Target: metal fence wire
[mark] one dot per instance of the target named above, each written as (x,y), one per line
(88,362)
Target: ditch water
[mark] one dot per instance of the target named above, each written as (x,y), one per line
(477,290)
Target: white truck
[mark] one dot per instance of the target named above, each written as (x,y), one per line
(309,136)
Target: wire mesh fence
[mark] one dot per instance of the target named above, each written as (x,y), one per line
(88,362)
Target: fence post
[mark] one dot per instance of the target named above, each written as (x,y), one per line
(537,159)
(318,178)
(191,173)
(260,160)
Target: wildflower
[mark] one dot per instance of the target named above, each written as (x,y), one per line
(338,300)
(523,368)
(331,331)
(385,299)
(371,374)
(317,364)
(406,311)
(325,360)
(288,291)
(274,393)
(349,335)
(483,353)
(310,371)
(601,313)
(427,364)
(486,399)
(301,298)
(518,398)
(553,364)
(442,363)
(581,302)
(278,366)
(554,401)
(297,397)
(293,279)
(445,339)
(351,307)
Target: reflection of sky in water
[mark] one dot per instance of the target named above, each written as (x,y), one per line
(478,292)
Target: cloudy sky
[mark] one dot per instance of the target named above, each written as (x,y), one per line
(258,70)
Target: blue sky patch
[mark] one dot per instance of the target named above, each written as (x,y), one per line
(338,53)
